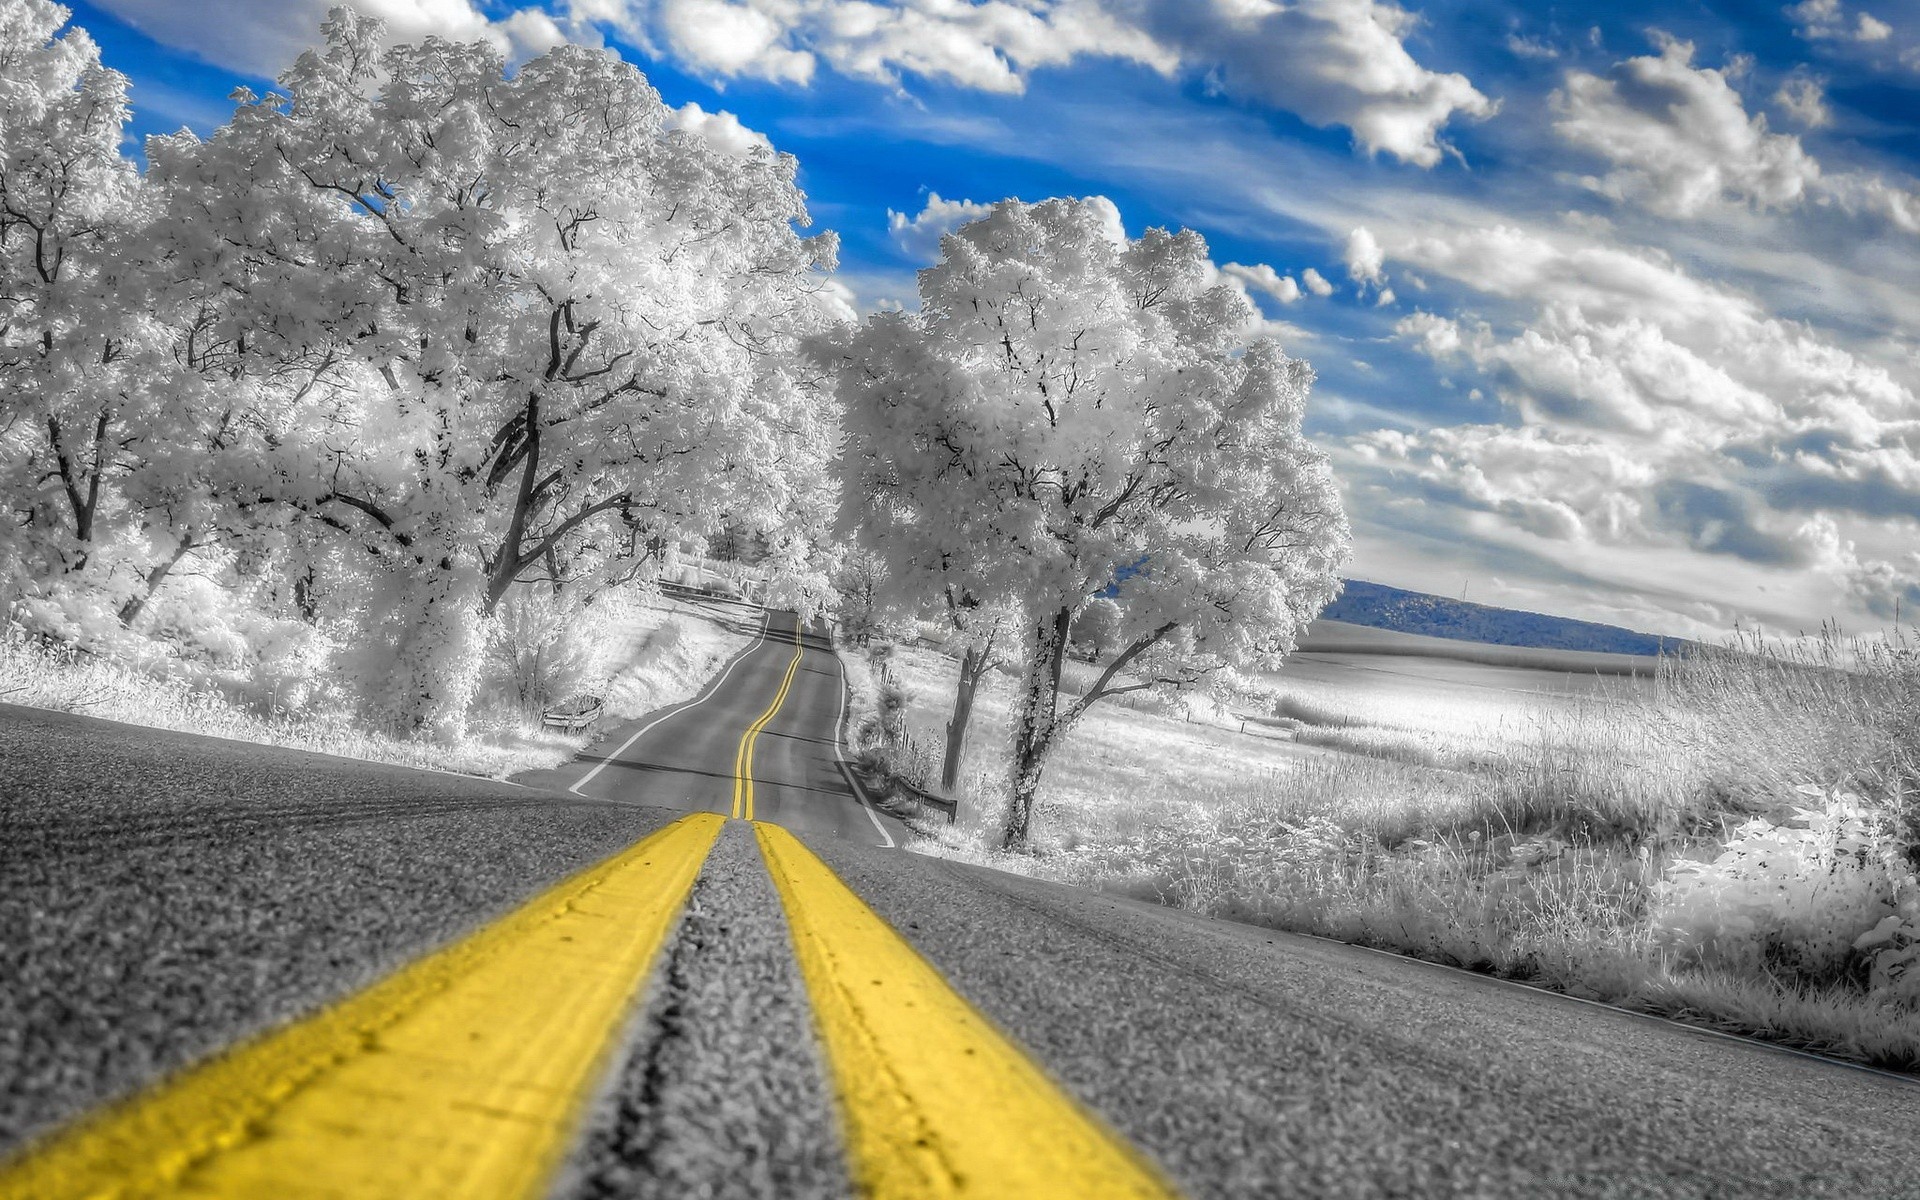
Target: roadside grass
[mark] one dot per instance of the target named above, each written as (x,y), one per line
(1675,847)
(660,651)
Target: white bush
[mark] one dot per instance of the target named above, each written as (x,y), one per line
(1798,896)
(543,649)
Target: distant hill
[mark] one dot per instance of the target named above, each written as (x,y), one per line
(1383,607)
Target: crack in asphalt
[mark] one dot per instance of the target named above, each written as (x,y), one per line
(721,1092)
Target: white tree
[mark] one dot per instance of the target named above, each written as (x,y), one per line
(510,327)
(1072,412)
(74,348)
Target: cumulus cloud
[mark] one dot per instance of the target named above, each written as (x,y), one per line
(1678,137)
(723,130)
(919,235)
(1635,341)
(1653,409)
(1332,62)
(1678,140)
(1263,278)
(836,301)
(1366,262)
(264,38)
(1553,485)
(1316,283)
(1888,590)
(1803,97)
(1831,20)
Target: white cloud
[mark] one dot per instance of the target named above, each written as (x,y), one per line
(837,301)
(1678,138)
(919,235)
(988,45)
(1828,20)
(1364,258)
(1332,62)
(1316,282)
(1263,278)
(722,129)
(733,39)
(1695,347)
(263,39)
(1816,18)
(1656,411)
(1804,98)
(1530,47)
(530,32)
(1885,589)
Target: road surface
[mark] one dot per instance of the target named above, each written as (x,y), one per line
(235,970)
(685,759)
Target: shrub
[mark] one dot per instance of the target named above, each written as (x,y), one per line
(1798,896)
(542,648)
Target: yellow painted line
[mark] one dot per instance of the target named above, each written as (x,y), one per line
(463,1074)
(935,1101)
(743,756)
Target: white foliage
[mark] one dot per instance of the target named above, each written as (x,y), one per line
(474,329)
(1802,895)
(1064,408)
(1070,412)
(544,648)
(75,364)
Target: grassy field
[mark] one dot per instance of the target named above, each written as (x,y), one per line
(1706,841)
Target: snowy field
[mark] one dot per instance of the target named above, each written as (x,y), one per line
(1401,723)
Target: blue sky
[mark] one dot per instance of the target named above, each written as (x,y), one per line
(1612,305)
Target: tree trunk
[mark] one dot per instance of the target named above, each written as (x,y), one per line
(1035,723)
(306,597)
(131,610)
(972,666)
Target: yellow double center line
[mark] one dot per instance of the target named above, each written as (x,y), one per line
(461,1075)
(743,756)
(465,1073)
(935,1102)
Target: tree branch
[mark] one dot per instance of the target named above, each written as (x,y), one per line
(1101,689)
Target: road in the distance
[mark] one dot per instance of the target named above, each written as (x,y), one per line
(687,759)
(162,895)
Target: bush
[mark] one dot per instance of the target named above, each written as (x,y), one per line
(1800,897)
(543,649)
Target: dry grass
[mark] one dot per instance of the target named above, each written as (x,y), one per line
(666,651)
(1521,830)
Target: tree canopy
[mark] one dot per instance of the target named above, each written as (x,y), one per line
(1072,413)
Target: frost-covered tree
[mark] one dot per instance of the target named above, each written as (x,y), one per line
(74,400)
(1072,412)
(507,327)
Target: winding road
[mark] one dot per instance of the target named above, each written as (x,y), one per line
(230,970)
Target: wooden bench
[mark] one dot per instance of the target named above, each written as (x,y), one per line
(572,716)
(900,788)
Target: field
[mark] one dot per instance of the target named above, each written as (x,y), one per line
(1393,711)
(1715,839)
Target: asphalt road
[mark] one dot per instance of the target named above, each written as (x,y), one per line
(686,760)
(162,895)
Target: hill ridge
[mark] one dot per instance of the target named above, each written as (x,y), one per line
(1383,607)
